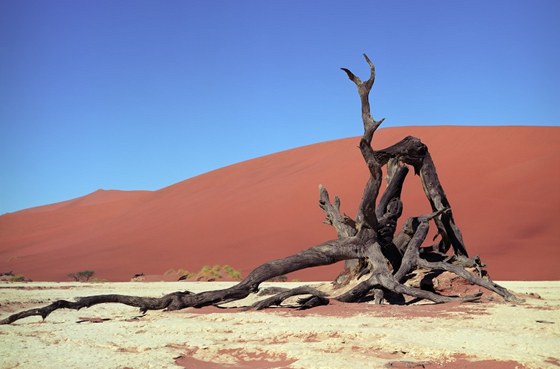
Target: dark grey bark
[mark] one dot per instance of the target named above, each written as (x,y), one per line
(377,261)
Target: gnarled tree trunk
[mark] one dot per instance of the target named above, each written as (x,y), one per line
(378,259)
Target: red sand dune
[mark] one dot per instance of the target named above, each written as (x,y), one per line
(503,184)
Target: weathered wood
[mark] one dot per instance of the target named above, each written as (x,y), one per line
(327,253)
(366,213)
(317,298)
(483,282)
(143,303)
(344,225)
(376,261)
(451,235)
(393,190)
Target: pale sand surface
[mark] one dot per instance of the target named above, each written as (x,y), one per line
(334,336)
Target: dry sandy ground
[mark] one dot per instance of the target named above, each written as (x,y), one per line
(490,335)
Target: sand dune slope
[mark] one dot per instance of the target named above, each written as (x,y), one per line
(503,184)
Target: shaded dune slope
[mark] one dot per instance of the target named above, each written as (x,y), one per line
(503,184)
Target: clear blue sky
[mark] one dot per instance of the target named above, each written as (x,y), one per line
(143,94)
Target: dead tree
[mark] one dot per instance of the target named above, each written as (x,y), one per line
(378,260)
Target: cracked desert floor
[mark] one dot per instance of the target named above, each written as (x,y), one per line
(495,335)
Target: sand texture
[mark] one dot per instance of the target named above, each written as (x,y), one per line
(502,183)
(473,335)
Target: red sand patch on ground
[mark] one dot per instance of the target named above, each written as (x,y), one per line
(340,309)
(243,360)
(502,183)
(459,363)
(246,360)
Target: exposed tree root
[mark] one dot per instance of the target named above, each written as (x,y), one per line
(316,298)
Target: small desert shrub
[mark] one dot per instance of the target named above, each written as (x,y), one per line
(217,272)
(19,278)
(82,276)
(182,271)
(11,277)
(232,273)
(207,273)
(182,274)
